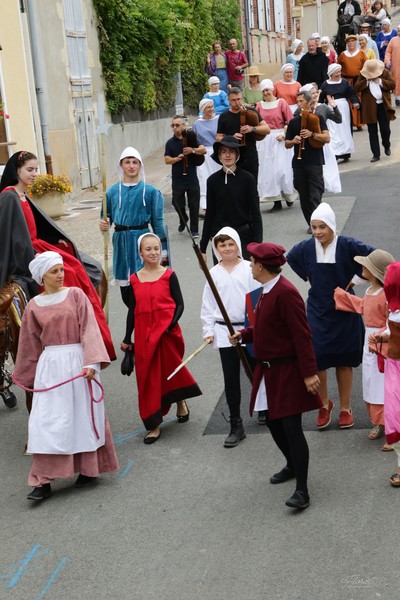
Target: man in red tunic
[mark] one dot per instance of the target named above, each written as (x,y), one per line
(285,378)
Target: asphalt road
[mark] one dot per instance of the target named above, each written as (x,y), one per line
(186,519)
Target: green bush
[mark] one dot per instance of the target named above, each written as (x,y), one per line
(144,43)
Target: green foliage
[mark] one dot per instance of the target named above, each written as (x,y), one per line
(144,43)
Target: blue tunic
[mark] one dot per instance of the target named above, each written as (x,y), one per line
(337,336)
(133,212)
(221,103)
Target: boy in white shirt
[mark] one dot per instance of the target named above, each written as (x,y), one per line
(233,279)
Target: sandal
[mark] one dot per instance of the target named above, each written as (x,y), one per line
(395,480)
(376,432)
(387,448)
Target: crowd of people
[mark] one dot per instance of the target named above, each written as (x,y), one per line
(254,139)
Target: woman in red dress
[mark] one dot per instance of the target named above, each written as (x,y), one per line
(156,304)
(20,171)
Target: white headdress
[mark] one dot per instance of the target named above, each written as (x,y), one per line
(42,263)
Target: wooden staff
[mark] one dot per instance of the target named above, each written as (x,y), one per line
(225,316)
(105,233)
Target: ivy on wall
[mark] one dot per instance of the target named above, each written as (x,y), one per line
(144,43)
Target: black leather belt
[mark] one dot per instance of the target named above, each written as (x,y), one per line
(130,227)
(232,323)
(267,364)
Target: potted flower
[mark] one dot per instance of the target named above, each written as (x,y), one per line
(48,191)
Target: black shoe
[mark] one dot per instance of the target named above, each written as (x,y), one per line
(397,102)
(298,500)
(183,418)
(9,398)
(388,151)
(262,417)
(84,481)
(309,230)
(195,234)
(375,159)
(236,434)
(152,439)
(181,228)
(285,475)
(40,493)
(276,207)
(289,204)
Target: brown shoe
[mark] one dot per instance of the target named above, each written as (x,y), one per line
(325,415)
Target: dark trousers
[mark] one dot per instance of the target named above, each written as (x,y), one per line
(231,369)
(384,127)
(288,435)
(193,199)
(308,180)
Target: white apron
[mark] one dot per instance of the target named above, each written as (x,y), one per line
(208,167)
(61,421)
(372,380)
(341,138)
(331,171)
(275,173)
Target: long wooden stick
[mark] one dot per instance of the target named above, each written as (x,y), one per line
(189,358)
(105,233)
(210,280)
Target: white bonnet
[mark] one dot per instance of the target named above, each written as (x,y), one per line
(42,263)
(325,213)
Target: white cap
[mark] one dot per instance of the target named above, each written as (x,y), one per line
(42,263)
(324,213)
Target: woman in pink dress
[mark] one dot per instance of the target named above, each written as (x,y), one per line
(275,174)
(20,171)
(392,364)
(287,88)
(68,431)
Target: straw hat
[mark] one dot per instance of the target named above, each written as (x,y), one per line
(372,68)
(376,263)
(254,71)
(352,36)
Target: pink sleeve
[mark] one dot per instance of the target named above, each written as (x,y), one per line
(286,112)
(94,350)
(348,302)
(29,349)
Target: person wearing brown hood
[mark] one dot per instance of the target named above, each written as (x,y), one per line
(375,85)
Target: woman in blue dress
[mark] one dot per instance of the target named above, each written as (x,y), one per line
(327,262)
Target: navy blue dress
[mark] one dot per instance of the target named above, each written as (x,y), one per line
(337,336)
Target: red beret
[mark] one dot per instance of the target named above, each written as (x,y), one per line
(267,254)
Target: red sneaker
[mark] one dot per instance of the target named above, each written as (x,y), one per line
(346,420)
(325,415)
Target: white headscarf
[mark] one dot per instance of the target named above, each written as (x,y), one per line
(232,234)
(152,235)
(42,263)
(325,214)
(306,88)
(325,38)
(128,153)
(295,45)
(266,84)
(203,103)
(287,67)
(333,67)
(315,36)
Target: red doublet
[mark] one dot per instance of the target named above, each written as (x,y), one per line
(281,331)
(158,351)
(74,275)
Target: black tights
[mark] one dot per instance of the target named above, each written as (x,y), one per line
(288,435)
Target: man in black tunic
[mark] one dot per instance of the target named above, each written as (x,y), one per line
(229,124)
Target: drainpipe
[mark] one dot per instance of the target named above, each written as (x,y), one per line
(247,31)
(319,16)
(38,67)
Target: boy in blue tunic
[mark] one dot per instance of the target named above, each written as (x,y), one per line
(132,206)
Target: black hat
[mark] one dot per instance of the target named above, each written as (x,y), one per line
(230,142)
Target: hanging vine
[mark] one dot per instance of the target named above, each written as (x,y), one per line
(144,43)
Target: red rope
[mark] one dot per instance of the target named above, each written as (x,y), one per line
(53,387)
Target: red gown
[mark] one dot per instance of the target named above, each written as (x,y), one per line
(158,351)
(74,276)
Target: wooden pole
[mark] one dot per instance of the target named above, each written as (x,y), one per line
(105,233)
